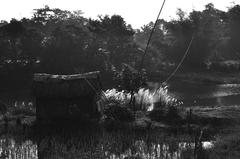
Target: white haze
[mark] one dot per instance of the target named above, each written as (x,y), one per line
(135,12)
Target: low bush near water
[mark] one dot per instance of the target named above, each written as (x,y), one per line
(159,104)
(145,99)
(169,114)
(118,113)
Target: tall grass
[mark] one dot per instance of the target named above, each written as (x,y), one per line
(145,99)
(23,107)
(97,145)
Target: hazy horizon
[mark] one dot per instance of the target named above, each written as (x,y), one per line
(135,12)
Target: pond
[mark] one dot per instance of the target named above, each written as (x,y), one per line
(190,92)
(200,94)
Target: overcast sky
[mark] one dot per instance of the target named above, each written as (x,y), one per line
(135,12)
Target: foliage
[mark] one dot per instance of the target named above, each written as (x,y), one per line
(65,42)
(226,145)
(169,114)
(3,108)
(159,44)
(145,99)
(115,39)
(165,107)
(22,108)
(115,144)
(117,112)
(115,96)
(130,79)
(214,32)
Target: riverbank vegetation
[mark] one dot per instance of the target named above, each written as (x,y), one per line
(219,141)
(146,126)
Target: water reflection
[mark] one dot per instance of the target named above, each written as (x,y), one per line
(205,95)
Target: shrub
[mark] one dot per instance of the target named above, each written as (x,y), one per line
(173,114)
(145,99)
(158,102)
(117,97)
(3,108)
(157,114)
(131,80)
(116,112)
(23,108)
(167,113)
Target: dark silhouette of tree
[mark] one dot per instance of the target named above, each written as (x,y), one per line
(116,38)
(64,42)
(208,27)
(234,32)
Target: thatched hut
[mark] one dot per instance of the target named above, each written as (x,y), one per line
(62,97)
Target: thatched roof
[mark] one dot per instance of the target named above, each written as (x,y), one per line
(66,86)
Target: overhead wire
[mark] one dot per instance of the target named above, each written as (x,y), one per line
(180,63)
(151,34)
(148,43)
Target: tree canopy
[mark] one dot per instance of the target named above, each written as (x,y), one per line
(65,42)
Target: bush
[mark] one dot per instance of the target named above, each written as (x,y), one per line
(116,112)
(145,99)
(167,113)
(130,79)
(25,108)
(157,114)
(172,112)
(3,108)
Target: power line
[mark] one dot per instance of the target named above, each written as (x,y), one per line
(149,39)
(180,63)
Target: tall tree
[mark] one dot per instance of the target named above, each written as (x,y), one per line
(116,38)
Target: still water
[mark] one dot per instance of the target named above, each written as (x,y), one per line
(199,94)
(191,93)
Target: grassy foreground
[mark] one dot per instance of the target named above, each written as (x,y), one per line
(220,125)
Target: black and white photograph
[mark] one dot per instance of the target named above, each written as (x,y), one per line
(120,79)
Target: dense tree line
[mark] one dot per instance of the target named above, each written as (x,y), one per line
(215,32)
(59,41)
(64,42)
